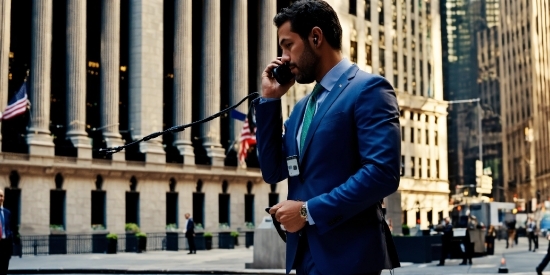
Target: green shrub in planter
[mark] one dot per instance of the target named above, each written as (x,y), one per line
(405,230)
(235,235)
(142,241)
(207,240)
(131,227)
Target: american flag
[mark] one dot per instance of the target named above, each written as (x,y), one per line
(247,139)
(17,104)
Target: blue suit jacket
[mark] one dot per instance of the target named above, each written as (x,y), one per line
(7,223)
(190,230)
(351,161)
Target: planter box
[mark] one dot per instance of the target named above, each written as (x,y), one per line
(142,244)
(249,239)
(172,239)
(99,243)
(112,245)
(57,244)
(225,240)
(417,249)
(200,242)
(131,242)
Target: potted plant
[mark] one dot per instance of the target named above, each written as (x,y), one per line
(172,227)
(131,238)
(172,237)
(235,235)
(112,240)
(406,230)
(131,228)
(207,240)
(249,234)
(142,241)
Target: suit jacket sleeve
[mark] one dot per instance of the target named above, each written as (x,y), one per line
(376,114)
(190,226)
(269,136)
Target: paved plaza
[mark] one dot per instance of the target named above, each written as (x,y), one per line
(232,261)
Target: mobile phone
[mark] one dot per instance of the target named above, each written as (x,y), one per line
(267,209)
(282,74)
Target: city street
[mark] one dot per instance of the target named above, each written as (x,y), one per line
(232,261)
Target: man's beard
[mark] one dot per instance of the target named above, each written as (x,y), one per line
(306,65)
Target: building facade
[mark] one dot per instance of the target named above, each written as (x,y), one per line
(462,20)
(524,64)
(105,73)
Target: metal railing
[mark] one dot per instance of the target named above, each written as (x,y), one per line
(98,243)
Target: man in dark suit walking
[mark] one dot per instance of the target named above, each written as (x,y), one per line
(190,233)
(6,240)
(340,150)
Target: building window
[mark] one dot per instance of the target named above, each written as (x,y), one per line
(172,203)
(368,50)
(402,165)
(353,7)
(273,195)
(402,133)
(224,200)
(382,65)
(419,137)
(98,205)
(420,167)
(411,115)
(429,166)
(367,10)
(427,137)
(353,51)
(412,166)
(418,117)
(427,118)
(380,12)
(249,204)
(132,203)
(198,205)
(57,204)
(437,168)
(412,134)
(435,138)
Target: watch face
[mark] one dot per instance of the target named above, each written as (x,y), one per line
(303,211)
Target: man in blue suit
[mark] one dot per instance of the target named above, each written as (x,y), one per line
(6,240)
(339,150)
(190,234)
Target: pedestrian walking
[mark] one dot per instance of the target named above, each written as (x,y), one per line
(531,229)
(190,233)
(447,229)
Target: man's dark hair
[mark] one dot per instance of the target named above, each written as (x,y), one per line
(304,15)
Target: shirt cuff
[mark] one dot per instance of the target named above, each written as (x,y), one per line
(267,99)
(309,218)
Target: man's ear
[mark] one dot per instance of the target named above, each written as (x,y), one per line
(316,36)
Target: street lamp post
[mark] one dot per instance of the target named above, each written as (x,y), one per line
(479,118)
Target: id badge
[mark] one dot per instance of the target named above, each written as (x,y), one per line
(293,167)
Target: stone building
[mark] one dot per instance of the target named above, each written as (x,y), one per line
(105,73)
(524,43)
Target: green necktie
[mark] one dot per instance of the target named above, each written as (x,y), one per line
(310,111)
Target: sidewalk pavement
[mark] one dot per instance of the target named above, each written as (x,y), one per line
(232,261)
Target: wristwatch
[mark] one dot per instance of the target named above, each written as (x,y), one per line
(303,212)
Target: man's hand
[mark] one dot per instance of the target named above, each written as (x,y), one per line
(270,87)
(288,214)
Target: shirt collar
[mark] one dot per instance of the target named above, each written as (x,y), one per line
(330,79)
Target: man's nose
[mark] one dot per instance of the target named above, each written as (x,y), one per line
(285,58)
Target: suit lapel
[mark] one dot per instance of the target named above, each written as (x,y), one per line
(300,109)
(340,85)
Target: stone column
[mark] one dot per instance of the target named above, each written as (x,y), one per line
(145,75)
(238,64)
(210,86)
(267,38)
(5,17)
(183,104)
(110,74)
(76,78)
(38,134)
